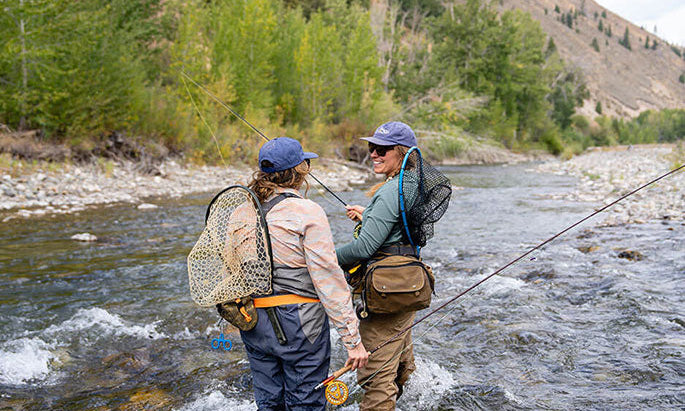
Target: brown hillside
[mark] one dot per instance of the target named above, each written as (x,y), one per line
(625,82)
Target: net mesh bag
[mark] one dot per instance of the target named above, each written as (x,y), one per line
(231,259)
(427,195)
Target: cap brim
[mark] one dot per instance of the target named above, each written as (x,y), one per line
(378,141)
(308,155)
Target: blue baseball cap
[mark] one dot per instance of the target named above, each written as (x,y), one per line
(283,153)
(393,133)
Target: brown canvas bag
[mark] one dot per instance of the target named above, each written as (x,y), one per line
(397,284)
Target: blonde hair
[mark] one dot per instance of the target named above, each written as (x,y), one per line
(264,184)
(401,151)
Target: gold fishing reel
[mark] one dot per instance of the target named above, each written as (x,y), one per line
(337,392)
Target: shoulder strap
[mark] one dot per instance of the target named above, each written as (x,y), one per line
(268,205)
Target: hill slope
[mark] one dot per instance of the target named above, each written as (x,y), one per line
(625,81)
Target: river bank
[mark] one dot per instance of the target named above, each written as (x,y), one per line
(607,173)
(30,188)
(39,188)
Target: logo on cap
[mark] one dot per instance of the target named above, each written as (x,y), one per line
(382,130)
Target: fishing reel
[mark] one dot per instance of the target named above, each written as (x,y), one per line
(336,392)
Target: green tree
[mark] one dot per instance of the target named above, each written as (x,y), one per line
(600,26)
(598,107)
(361,71)
(647,42)
(625,41)
(568,92)
(595,45)
(503,57)
(317,61)
(244,49)
(70,67)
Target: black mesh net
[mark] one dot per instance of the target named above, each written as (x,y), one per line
(426,194)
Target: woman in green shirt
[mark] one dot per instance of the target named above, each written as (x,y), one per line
(381,230)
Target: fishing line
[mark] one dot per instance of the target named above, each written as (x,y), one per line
(227,107)
(499,270)
(517,259)
(216,142)
(433,325)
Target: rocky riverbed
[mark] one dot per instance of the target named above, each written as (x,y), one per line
(606,174)
(29,189)
(38,189)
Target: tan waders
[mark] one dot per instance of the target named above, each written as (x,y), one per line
(382,388)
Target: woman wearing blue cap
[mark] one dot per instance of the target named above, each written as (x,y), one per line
(289,352)
(381,230)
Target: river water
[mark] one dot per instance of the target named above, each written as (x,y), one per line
(111,325)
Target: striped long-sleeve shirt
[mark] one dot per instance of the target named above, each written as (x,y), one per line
(301,238)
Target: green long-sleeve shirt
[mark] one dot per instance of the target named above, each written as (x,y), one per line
(381,223)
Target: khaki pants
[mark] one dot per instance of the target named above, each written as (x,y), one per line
(395,368)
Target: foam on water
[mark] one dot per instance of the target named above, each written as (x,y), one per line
(100,320)
(186,334)
(500,287)
(28,359)
(426,386)
(25,360)
(214,399)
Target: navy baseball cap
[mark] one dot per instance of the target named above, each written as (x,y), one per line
(283,153)
(393,133)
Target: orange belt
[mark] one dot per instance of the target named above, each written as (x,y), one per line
(284,299)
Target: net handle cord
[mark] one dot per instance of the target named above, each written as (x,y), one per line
(227,107)
(403,211)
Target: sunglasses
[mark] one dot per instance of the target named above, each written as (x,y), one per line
(380,150)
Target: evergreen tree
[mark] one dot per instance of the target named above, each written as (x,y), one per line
(556,8)
(625,41)
(551,48)
(647,42)
(604,14)
(600,26)
(609,31)
(595,45)
(598,108)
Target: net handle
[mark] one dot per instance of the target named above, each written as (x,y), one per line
(403,211)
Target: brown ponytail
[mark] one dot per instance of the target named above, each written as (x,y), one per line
(264,184)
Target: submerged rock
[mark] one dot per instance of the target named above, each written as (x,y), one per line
(588,249)
(631,255)
(86,237)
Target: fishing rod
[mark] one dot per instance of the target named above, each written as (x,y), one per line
(227,107)
(343,370)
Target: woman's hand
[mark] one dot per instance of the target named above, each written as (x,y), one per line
(354,212)
(357,357)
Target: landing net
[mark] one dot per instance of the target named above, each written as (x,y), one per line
(426,192)
(232,257)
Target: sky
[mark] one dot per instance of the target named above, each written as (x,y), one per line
(667,15)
